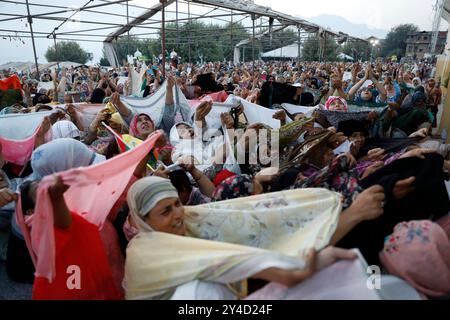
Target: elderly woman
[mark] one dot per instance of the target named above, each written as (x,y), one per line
(142,125)
(196,254)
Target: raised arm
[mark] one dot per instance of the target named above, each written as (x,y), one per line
(61,213)
(121,107)
(358,85)
(380,88)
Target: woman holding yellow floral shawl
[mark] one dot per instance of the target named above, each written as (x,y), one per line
(216,248)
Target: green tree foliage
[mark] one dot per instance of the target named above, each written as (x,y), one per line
(211,42)
(67,51)
(357,49)
(395,43)
(311,49)
(104,62)
(124,46)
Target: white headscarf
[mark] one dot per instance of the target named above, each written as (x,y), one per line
(65,129)
(144,195)
(61,155)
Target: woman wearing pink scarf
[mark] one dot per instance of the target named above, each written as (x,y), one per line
(336,103)
(419,252)
(142,126)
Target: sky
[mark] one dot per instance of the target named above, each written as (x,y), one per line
(383,14)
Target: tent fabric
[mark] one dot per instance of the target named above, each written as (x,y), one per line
(290,51)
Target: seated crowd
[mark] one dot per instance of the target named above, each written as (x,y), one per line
(220,205)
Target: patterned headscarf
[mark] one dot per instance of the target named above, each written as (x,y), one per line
(333,99)
(144,195)
(134,131)
(419,252)
(234,187)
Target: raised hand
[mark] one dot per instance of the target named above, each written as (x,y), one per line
(369,204)
(203,110)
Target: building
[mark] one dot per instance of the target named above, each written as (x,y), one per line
(418,44)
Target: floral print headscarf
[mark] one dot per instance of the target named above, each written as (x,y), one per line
(234,187)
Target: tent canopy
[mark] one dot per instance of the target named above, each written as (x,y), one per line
(289,52)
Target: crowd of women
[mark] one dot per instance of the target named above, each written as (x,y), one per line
(101,200)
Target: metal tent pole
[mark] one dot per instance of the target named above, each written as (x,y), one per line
(163,36)
(30,22)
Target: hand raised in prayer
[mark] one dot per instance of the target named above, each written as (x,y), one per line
(376,154)
(46,126)
(115,99)
(171,82)
(330,255)
(403,188)
(71,110)
(227,120)
(203,110)
(369,204)
(280,115)
(7,196)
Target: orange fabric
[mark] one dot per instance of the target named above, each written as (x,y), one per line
(11,83)
(80,245)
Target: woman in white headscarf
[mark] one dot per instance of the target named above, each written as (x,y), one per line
(65,129)
(210,251)
(61,155)
(206,146)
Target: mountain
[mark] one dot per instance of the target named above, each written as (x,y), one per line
(337,23)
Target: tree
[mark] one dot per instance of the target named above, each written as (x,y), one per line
(124,46)
(311,49)
(104,62)
(395,43)
(359,50)
(67,51)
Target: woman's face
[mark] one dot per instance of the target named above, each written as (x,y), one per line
(185,132)
(366,94)
(337,105)
(389,87)
(145,125)
(167,216)
(358,140)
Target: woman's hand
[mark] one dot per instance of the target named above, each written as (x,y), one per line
(7,196)
(378,165)
(203,110)
(115,99)
(161,172)
(280,115)
(422,133)
(227,120)
(376,154)
(418,153)
(330,255)
(350,158)
(57,188)
(267,176)
(403,188)
(368,205)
